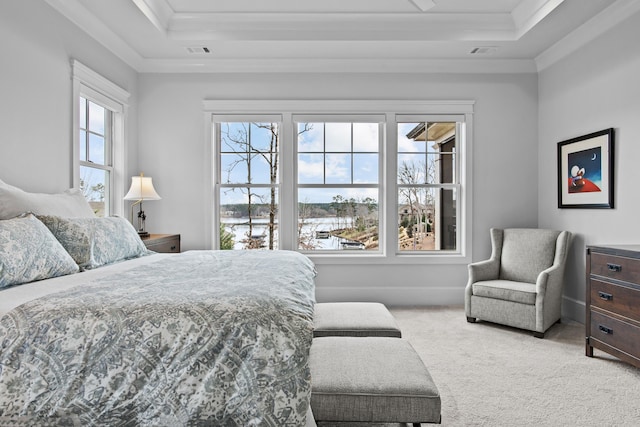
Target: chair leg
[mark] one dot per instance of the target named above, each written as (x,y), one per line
(471,319)
(538,334)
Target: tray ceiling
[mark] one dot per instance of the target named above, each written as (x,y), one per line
(342,35)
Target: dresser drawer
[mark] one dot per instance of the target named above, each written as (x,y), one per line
(615,333)
(615,298)
(615,267)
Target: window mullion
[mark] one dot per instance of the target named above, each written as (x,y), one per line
(390,189)
(288,195)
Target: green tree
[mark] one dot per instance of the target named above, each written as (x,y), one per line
(226,239)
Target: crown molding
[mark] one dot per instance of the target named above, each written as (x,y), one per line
(587,32)
(324,65)
(75,11)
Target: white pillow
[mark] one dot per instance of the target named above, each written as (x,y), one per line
(28,252)
(70,204)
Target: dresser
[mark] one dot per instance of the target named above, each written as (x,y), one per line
(162,242)
(613,301)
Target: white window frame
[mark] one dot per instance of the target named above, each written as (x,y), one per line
(216,179)
(92,86)
(379,186)
(391,109)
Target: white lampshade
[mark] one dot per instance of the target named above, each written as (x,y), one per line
(142,189)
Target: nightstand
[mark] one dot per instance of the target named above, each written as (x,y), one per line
(169,243)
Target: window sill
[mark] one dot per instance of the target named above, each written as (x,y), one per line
(403,259)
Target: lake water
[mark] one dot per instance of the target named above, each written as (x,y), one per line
(239,227)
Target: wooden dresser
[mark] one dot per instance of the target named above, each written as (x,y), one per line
(169,243)
(613,301)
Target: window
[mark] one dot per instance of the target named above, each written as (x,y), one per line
(248,184)
(382,181)
(99,161)
(95,155)
(338,164)
(427,186)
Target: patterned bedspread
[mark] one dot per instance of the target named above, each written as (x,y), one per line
(215,338)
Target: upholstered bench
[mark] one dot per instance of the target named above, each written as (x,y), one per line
(371,380)
(354,319)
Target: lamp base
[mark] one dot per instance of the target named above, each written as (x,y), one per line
(143,234)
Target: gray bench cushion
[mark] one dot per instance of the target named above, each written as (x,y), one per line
(355,319)
(371,379)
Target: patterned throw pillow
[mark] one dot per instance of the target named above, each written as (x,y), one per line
(28,252)
(93,242)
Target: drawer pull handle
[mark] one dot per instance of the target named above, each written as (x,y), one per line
(173,248)
(605,296)
(614,267)
(606,330)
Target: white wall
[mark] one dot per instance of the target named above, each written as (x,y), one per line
(36,47)
(595,88)
(172,145)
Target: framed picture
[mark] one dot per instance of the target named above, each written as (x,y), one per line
(585,171)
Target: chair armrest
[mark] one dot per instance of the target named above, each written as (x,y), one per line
(551,277)
(554,275)
(484,270)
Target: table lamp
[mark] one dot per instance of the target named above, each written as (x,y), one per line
(141,189)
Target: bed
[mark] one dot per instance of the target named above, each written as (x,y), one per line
(198,338)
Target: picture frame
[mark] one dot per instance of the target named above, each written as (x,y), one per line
(586,171)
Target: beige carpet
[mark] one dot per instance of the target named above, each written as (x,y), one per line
(489,375)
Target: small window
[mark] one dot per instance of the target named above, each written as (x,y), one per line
(100,109)
(95,155)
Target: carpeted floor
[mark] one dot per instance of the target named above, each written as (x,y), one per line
(490,375)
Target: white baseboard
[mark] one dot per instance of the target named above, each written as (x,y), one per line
(411,296)
(573,309)
(395,296)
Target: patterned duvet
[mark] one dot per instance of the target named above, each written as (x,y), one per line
(207,338)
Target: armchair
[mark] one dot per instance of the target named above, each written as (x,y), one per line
(521,284)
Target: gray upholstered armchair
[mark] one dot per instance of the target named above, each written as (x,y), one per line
(521,284)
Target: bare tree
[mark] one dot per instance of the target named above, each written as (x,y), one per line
(270,154)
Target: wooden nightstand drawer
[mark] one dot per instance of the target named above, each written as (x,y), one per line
(167,243)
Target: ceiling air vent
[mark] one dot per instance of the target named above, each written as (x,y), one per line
(483,50)
(198,50)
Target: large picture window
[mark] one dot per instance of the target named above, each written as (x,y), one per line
(352,180)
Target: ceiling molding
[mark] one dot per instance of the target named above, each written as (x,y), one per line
(188,29)
(324,65)
(158,12)
(590,30)
(530,12)
(75,11)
